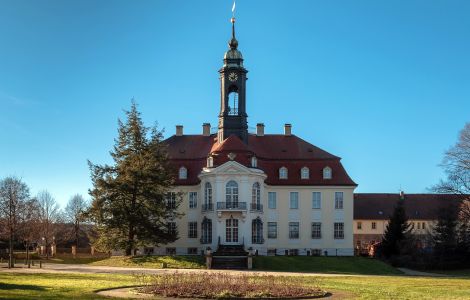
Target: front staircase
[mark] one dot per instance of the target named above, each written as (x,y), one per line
(230,257)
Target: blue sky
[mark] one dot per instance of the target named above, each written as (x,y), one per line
(383,84)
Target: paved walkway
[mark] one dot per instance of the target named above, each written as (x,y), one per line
(77,268)
(419,273)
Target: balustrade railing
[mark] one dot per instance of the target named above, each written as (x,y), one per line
(231,205)
(207,207)
(256,207)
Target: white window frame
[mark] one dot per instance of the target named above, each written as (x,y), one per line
(192,230)
(338,231)
(270,225)
(183,173)
(192,198)
(272,200)
(339,201)
(316,201)
(305,173)
(316,230)
(327,173)
(283,173)
(210,162)
(254,162)
(292,234)
(294,200)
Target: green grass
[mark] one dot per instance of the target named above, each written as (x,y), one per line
(321,264)
(172,262)
(82,286)
(458,273)
(58,286)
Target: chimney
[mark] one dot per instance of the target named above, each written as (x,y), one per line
(288,129)
(179,130)
(260,129)
(206,129)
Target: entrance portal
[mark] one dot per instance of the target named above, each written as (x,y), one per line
(231,231)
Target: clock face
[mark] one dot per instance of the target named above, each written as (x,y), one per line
(232,77)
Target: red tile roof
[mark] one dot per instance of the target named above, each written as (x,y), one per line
(271,151)
(417,206)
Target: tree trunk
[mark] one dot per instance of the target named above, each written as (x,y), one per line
(10,251)
(130,241)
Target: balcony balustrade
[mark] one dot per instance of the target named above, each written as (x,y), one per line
(231,205)
(256,207)
(207,207)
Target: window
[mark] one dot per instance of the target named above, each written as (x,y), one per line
(171,200)
(304,173)
(359,225)
(293,230)
(206,227)
(171,228)
(207,197)
(419,225)
(338,200)
(257,231)
(254,162)
(374,225)
(148,250)
(283,173)
(192,199)
(272,200)
(327,174)
(316,230)
(316,200)
(424,225)
(339,231)
(272,230)
(294,200)
(233,103)
(231,194)
(256,197)
(293,252)
(183,173)
(272,252)
(192,251)
(192,230)
(170,251)
(210,162)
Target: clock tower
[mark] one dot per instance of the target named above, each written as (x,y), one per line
(232,116)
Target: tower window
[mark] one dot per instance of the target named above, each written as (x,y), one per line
(183,173)
(327,173)
(233,103)
(304,173)
(283,173)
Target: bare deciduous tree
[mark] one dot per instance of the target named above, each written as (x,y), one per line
(49,215)
(74,214)
(13,194)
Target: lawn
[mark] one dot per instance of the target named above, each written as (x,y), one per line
(82,286)
(155,262)
(321,264)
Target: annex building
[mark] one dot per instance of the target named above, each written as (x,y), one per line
(269,193)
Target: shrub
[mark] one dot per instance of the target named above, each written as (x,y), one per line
(223,285)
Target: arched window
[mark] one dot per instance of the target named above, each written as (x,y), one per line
(254,162)
(231,194)
(210,162)
(304,173)
(257,231)
(327,173)
(233,103)
(206,231)
(183,173)
(207,197)
(256,197)
(283,173)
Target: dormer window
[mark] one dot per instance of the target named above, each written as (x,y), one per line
(183,173)
(327,173)
(210,162)
(254,162)
(304,173)
(283,173)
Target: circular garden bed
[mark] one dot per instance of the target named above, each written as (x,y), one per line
(223,285)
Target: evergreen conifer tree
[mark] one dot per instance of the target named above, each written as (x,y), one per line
(397,231)
(129,197)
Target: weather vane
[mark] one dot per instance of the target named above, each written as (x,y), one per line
(233,12)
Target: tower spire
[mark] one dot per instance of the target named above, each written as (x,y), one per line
(233,44)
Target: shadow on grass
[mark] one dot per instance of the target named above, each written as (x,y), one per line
(29,287)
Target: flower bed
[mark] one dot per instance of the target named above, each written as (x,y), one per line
(223,285)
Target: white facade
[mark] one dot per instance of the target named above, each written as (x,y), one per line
(301,226)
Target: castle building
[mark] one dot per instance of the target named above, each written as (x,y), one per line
(276,194)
